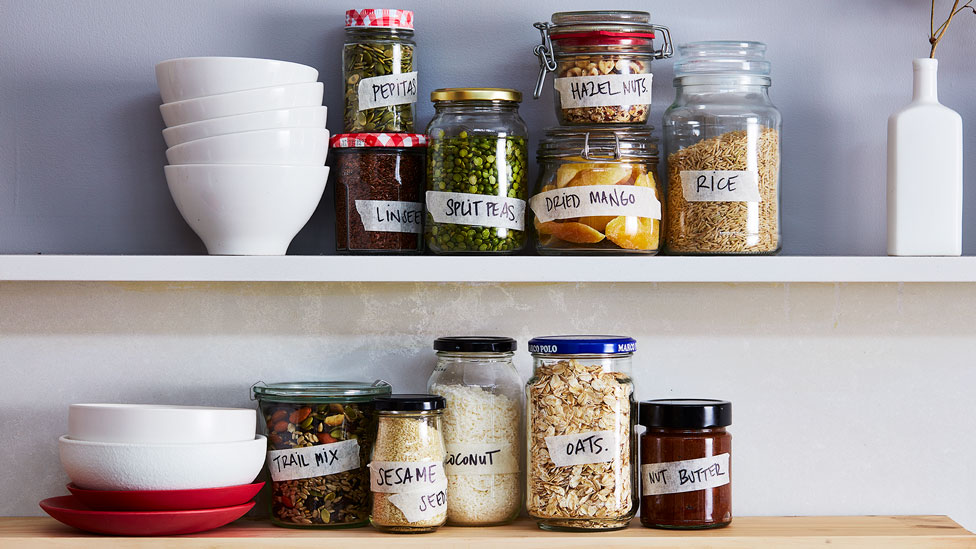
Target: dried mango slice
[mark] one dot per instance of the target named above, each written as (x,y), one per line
(644,180)
(604,174)
(566,173)
(598,222)
(572,231)
(634,233)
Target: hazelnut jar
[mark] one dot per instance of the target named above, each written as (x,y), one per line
(602,62)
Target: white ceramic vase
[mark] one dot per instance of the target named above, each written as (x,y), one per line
(925,172)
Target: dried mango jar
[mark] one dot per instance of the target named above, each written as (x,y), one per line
(602,61)
(722,136)
(477,172)
(406,473)
(482,426)
(320,435)
(598,192)
(582,472)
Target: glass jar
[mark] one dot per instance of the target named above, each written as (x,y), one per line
(477,169)
(598,192)
(379,180)
(482,426)
(602,61)
(686,458)
(379,71)
(580,420)
(407,469)
(320,434)
(722,140)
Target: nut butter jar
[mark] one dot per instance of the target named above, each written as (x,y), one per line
(686,455)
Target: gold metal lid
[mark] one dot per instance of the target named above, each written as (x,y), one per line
(476,94)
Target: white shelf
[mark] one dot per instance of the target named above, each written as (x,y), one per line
(526,269)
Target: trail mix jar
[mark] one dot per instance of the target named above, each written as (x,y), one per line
(378,185)
(379,71)
(602,62)
(407,469)
(482,427)
(477,170)
(598,192)
(722,136)
(686,458)
(319,438)
(580,402)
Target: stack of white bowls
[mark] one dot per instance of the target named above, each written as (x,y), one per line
(247,147)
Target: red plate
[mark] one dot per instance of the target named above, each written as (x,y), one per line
(69,510)
(165,500)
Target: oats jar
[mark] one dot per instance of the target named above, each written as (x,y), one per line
(406,473)
(477,172)
(722,138)
(582,472)
(320,435)
(598,192)
(379,71)
(482,428)
(602,64)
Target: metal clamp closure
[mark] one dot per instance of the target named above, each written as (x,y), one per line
(547,60)
(585,153)
(667,48)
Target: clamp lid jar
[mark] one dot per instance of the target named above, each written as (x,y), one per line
(686,458)
(303,417)
(477,169)
(581,472)
(598,192)
(602,61)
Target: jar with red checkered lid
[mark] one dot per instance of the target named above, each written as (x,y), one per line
(379,71)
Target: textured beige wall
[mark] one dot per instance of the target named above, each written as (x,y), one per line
(848,398)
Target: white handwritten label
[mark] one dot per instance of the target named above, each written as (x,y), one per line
(393,477)
(388,90)
(629,200)
(313,461)
(476,209)
(720,186)
(421,506)
(481,459)
(388,216)
(605,90)
(582,448)
(690,475)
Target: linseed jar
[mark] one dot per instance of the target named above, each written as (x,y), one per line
(686,454)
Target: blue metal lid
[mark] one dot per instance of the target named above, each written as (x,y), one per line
(582,345)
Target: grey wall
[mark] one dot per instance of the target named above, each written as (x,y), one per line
(81,154)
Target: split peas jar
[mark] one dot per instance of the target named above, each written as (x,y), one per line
(477,169)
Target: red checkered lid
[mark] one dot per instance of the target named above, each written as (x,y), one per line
(344,140)
(390,19)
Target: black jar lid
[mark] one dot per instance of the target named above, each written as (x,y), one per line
(475,344)
(685,413)
(409,403)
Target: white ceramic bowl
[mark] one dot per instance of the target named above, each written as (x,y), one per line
(192,77)
(242,102)
(299,117)
(155,424)
(283,147)
(118,466)
(246,209)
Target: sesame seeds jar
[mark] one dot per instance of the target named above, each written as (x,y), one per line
(320,435)
(482,428)
(582,472)
(602,63)
(722,137)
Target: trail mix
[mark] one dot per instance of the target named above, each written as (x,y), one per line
(340,499)
(597,66)
(368,60)
(569,397)
(469,164)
